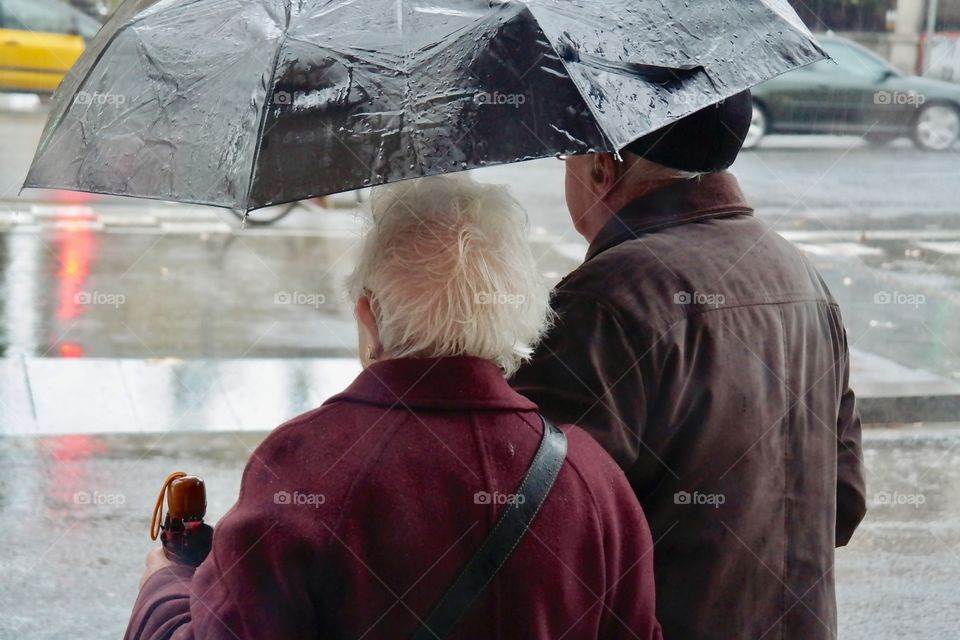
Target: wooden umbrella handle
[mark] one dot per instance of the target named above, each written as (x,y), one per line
(157,520)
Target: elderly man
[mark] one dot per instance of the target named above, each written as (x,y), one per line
(708,357)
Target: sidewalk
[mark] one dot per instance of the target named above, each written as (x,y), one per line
(75,511)
(46,396)
(888,392)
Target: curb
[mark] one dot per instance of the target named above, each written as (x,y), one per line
(881,410)
(45,396)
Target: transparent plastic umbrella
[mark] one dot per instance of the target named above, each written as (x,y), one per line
(249,104)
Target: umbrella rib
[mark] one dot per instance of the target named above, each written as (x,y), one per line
(407,90)
(586,101)
(267,98)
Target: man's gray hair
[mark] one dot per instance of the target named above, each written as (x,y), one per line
(449,272)
(653,171)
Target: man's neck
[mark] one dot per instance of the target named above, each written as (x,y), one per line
(620,197)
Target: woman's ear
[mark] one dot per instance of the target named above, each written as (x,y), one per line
(370,346)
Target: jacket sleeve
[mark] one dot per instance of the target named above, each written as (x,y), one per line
(629,594)
(250,586)
(851,485)
(587,372)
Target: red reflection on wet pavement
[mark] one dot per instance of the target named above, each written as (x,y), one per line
(75,252)
(71,350)
(69,481)
(73,448)
(72,197)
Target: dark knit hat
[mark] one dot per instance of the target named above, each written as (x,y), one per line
(706,140)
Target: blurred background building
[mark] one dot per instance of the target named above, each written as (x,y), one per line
(895,29)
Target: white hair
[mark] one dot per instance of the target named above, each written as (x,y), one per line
(449,271)
(651,170)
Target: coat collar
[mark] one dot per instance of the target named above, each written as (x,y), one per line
(710,196)
(454,383)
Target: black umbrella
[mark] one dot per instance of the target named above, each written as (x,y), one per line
(244,104)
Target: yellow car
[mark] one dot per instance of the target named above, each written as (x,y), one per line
(39,42)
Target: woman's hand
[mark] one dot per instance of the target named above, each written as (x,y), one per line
(156,560)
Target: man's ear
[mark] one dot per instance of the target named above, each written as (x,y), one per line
(606,171)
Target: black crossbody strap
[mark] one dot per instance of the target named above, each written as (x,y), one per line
(502,540)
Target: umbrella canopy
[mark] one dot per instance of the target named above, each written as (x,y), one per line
(245,104)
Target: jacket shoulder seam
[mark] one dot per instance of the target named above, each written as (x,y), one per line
(604,303)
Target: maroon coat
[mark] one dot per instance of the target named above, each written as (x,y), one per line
(354,518)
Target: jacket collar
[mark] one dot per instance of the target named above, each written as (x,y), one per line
(454,383)
(710,196)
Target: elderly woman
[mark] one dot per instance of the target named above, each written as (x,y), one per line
(389,489)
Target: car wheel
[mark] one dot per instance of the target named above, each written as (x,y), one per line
(937,127)
(758,127)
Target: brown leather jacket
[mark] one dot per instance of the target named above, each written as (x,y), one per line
(708,357)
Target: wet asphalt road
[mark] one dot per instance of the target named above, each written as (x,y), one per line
(75,512)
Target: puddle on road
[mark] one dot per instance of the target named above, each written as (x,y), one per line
(74,293)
